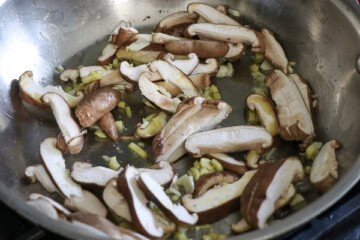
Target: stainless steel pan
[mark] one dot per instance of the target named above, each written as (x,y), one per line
(322,36)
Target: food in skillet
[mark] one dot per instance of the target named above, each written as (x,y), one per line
(173,69)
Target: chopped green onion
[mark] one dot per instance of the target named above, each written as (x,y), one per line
(215,163)
(252,118)
(258,57)
(141,144)
(230,70)
(292,63)
(100,134)
(187,182)
(116,63)
(150,117)
(266,66)
(297,201)
(121,104)
(138,151)
(113,163)
(195,173)
(213,89)
(128,111)
(147,103)
(307,170)
(217,96)
(222,71)
(119,125)
(60,68)
(93,76)
(312,151)
(254,68)
(233,12)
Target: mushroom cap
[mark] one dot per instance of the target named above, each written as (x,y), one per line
(107,55)
(107,123)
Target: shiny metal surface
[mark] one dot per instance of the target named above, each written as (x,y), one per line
(322,36)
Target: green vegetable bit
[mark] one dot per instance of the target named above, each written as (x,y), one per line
(119,125)
(128,111)
(100,134)
(113,163)
(312,151)
(93,76)
(121,104)
(138,151)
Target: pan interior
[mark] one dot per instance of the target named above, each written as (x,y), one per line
(319,36)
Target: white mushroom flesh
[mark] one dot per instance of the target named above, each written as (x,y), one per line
(164,175)
(69,74)
(107,54)
(54,163)
(274,53)
(69,128)
(85,173)
(38,172)
(211,66)
(303,89)
(87,203)
(235,51)
(186,66)
(163,38)
(133,73)
(230,139)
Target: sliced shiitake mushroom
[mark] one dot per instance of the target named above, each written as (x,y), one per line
(69,74)
(205,182)
(87,203)
(217,203)
(294,117)
(101,227)
(162,172)
(187,66)
(324,169)
(141,215)
(156,193)
(229,139)
(107,124)
(172,74)
(142,56)
(211,14)
(167,24)
(229,163)
(162,38)
(87,175)
(54,164)
(202,48)
(211,66)
(132,74)
(228,33)
(304,90)
(124,35)
(107,54)
(47,206)
(70,130)
(266,187)
(151,91)
(274,53)
(193,115)
(235,51)
(31,92)
(97,104)
(38,173)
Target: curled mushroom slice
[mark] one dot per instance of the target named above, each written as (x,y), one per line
(202,48)
(211,66)
(116,29)
(107,54)
(47,206)
(218,202)
(252,157)
(304,90)
(200,81)
(194,115)
(113,77)
(235,51)
(172,74)
(265,111)
(175,19)
(71,132)
(162,172)
(116,201)
(87,175)
(31,92)
(324,169)
(96,104)
(132,74)
(205,182)
(229,163)
(230,34)
(286,197)
(187,66)
(124,35)
(87,203)
(230,139)
(107,123)
(150,128)
(38,173)
(141,215)
(142,56)
(152,92)
(294,117)
(266,187)
(211,14)
(70,74)
(101,227)
(156,193)
(274,53)
(162,38)
(54,164)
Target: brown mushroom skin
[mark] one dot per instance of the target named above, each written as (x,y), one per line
(61,144)
(107,124)
(96,104)
(239,169)
(209,180)
(202,48)
(251,199)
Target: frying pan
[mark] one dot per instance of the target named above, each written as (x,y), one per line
(322,36)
